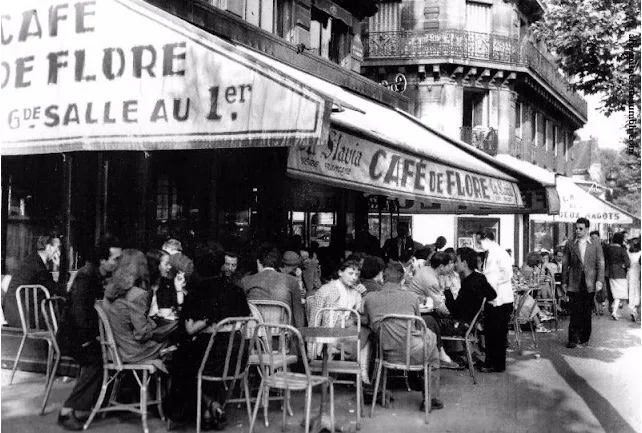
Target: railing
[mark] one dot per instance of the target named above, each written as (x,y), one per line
(467,45)
(481,137)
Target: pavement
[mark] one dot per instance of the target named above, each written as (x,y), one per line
(594,389)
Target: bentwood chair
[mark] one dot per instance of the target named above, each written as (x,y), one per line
(277,376)
(410,323)
(469,338)
(549,302)
(28,298)
(240,332)
(518,319)
(341,365)
(114,368)
(51,308)
(272,312)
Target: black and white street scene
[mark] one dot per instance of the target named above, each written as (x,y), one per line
(260,216)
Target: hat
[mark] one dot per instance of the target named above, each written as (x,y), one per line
(290,258)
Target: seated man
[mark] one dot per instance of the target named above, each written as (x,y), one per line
(393,299)
(269,284)
(425,283)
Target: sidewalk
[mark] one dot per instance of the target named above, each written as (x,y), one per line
(588,390)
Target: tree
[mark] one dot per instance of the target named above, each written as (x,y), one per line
(624,169)
(597,43)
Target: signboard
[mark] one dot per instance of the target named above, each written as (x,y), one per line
(577,203)
(353,162)
(124,75)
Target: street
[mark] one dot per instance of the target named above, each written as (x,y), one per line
(589,390)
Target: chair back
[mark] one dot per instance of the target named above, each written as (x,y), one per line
(51,309)
(28,298)
(241,334)
(339,317)
(477,318)
(409,323)
(275,347)
(520,299)
(273,312)
(107,341)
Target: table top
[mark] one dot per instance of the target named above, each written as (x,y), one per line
(328,335)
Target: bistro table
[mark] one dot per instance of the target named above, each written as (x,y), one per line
(326,336)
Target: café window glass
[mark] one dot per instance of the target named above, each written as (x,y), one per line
(468,227)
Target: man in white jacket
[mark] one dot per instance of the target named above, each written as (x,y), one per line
(498,269)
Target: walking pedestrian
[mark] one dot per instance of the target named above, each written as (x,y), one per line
(582,276)
(617,265)
(633,278)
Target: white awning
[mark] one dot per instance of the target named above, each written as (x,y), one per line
(125,75)
(384,151)
(577,203)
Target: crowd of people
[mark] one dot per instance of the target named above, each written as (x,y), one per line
(163,298)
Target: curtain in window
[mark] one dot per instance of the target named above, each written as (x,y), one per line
(478,17)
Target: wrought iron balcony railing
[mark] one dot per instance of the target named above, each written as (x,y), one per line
(481,137)
(465,45)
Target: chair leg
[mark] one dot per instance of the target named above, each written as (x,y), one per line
(471,367)
(289,405)
(286,402)
(308,404)
(383,387)
(114,392)
(199,396)
(15,363)
(49,361)
(50,381)
(266,403)
(359,399)
(331,406)
(143,400)
(533,334)
(101,397)
(159,396)
(256,406)
(248,403)
(376,388)
(427,396)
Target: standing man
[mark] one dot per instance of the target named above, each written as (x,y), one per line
(402,247)
(79,334)
(582,276)
(34,269)
(498,269)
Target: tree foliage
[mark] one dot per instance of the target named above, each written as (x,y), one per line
(624,169)
(597,43)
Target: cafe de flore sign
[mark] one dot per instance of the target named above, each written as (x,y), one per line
(124,75)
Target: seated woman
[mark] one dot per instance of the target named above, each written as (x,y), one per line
(531,311)
(158,265)
(126,303)
(171,291)
(212,298)
(533,272)
(343,292)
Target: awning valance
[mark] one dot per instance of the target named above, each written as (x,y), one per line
(577,203)
(124,75)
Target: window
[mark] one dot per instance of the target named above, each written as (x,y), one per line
(556,138)
(257,12)
(518,119)
(565,138)
(534,127)
(167,206)
(329,37)
(478,17)
(387,19)
(475,111)
(541,129)
(549,135)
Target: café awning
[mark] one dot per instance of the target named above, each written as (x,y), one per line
(383,151)
(577,203)
(125,75)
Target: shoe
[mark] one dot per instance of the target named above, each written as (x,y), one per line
(175,424)
(614,316)
(219,418)
(546,318)
(491,370)
(435,404)
(70,422)
(542,330)
(451,365)
(571,345)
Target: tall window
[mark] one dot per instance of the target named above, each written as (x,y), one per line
(167,207)
(549,135)
(478,16)
(475,108)
(329,37)
(261,13)
(541,129)
(518,119)
(556,137)
(387,19)
(565,137)
(534,127)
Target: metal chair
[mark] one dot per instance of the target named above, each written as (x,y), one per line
(50,309)
(520,297)
(470,337)
(234,367)
(112,369)
(275,312)
(28,298)
(342,366)
(411,323)
(549,302)
(276,376)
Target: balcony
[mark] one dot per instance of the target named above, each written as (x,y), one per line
(467,46)
(481,137)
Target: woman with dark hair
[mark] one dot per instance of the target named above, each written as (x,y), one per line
(617,263)
(126,303)
(634,278)
(343,292)
(158,265)
(211,298)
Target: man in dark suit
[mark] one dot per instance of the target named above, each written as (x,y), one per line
(34,269)
(402,247)
(80,337)
(582,276)
(269,284)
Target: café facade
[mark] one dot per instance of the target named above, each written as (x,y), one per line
(120,117)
